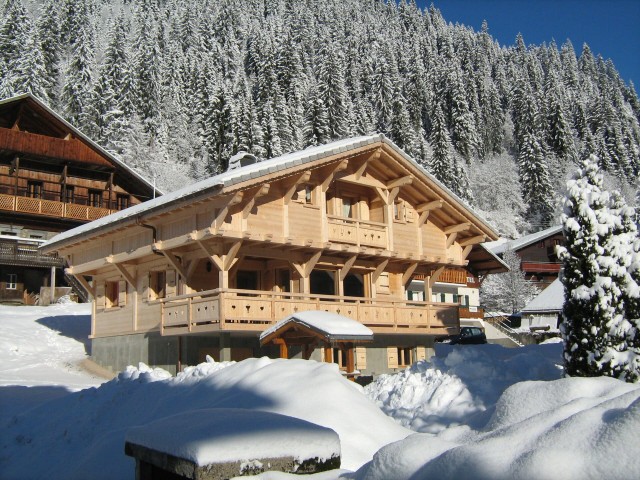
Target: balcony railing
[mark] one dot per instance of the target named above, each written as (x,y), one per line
(541,267)
(51,208)
(357,232)
(471,312)
(251,310)
(26,254)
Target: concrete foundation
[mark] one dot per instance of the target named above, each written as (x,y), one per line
(172,353)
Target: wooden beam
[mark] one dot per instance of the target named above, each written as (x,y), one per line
(428,206)
(451,238)
(363,181)
(305,269)
(466,251)
(435,276)
(173,260)
(344,271)
(330,172)
(460,227)
(224,211)
(83,281)
(217,261)
(399,182)
(472,240)
(393,193)
(383,194)
(293,185)
(193,264)
(379,269)
(260,192)
(423,218)
(230,258)
(406,276)
(127,276)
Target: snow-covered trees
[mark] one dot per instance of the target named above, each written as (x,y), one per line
(600,326)
(508,292)
(287,75)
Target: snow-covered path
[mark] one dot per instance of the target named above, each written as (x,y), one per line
(40,353)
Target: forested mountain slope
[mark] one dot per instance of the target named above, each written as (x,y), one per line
(175,87)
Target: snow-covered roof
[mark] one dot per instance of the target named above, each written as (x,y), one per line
(332,325)
(231,177)
(500,246)
(550,299)
(221,435)
(78,134)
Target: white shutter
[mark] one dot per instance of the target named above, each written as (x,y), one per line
(361,358)
(122,293)
(171,283)
(421,353)
(392,357)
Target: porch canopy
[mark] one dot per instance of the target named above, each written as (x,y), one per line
(313,328)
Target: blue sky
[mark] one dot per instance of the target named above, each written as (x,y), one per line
(611,28)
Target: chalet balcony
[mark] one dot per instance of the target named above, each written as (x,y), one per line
(471,313)
(51,208)
(541,267)
(27,255)
(254,311)
(357,232)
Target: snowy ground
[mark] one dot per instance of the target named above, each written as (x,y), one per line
(482,411)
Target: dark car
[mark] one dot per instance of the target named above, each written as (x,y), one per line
(467,336)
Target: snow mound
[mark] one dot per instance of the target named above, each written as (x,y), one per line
(572,428)
(460,383)
(219,435)
(93,423)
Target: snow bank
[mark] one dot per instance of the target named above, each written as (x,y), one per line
(460,383)
(572,428)
(82,435)
(219,435)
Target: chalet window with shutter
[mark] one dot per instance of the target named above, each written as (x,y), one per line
(157,285)
(34,189)
(95,198)
(12,282)
(112,294)
(122,201)
(405,356)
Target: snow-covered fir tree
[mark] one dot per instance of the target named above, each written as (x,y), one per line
(311,72)
(599,337)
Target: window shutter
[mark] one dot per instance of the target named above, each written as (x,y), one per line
(421,353)
(171,283)
(122,293)
(100,292)
(392,357)
(361,358)
(144,281)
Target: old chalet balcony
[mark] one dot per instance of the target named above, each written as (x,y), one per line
(23,252)
(254,311)
(51,208)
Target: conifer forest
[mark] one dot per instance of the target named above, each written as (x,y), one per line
(176,87)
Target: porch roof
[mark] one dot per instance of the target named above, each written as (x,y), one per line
(332,326)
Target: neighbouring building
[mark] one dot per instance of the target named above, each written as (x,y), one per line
(537,253)
(543,312)
(344,227)
(52,178)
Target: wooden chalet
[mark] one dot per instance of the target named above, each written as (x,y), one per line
(342,227)
(52,178)
(537,252)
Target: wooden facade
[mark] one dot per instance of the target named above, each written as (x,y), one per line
(53,178)
(342,228)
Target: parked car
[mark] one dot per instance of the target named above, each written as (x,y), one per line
(467,336)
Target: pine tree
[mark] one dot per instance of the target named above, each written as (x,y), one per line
(536,184)
(595,332)
(76,98)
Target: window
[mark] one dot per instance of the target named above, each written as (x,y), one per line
(348,209)
(122,202)
(443,297)
(307,194)
(112,294)
(67,194)
(95,198)
(398,211)
(157,285)
(405,356)
(12,282)
(456,298)
(34,189)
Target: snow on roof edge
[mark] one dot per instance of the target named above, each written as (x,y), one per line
(331,324)
(550,299)
(518,243)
